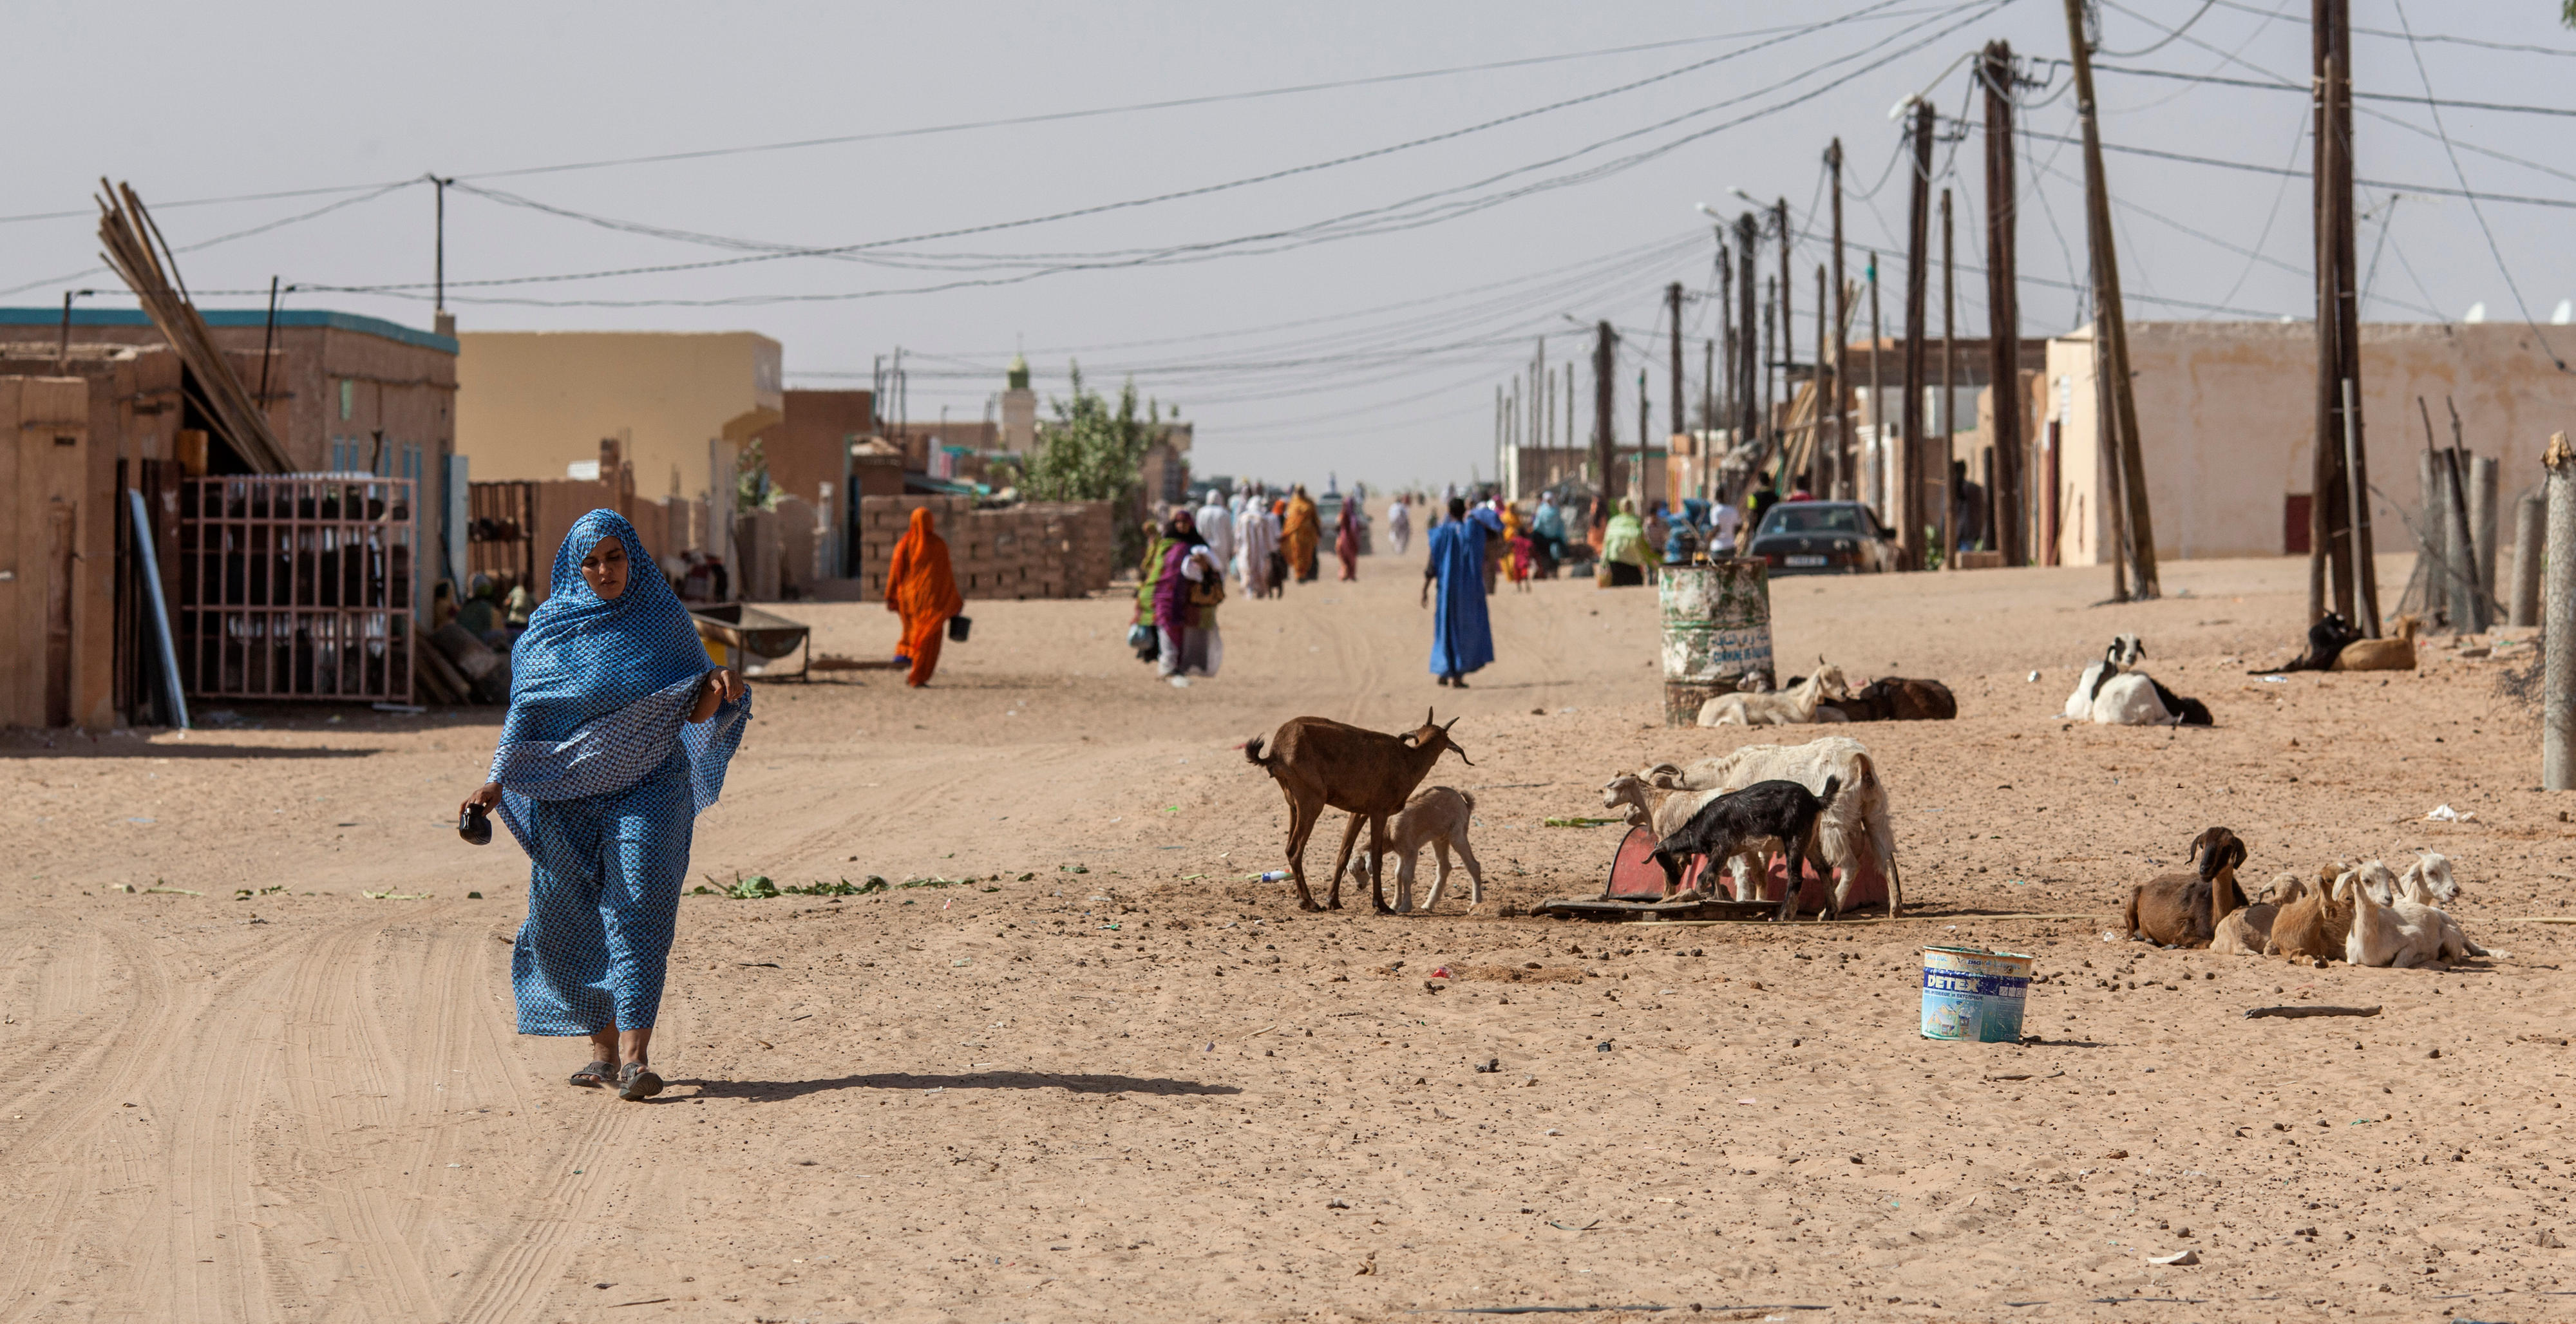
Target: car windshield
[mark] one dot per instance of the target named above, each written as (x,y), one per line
(1805,517)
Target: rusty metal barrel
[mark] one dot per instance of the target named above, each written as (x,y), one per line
(1717,631)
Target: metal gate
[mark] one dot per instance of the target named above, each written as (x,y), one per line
(296,587)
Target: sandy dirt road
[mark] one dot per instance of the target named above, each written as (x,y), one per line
(1103,1076)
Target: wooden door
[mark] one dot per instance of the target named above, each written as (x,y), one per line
(60,551)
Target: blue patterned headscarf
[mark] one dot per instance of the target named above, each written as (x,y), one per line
(600,689)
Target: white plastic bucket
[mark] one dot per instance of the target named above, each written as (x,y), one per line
(1973,994)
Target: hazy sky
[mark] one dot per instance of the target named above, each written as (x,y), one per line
(1353,316)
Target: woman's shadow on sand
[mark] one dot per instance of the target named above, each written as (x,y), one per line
(978,1080)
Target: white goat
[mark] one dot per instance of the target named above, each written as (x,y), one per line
(2124,652)
(1437,817)
(2113,692)
(1854,835)
(2382,936)
(2427,886)
(1795,706)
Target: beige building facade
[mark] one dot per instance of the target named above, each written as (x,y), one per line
(2227,418)
(531,404)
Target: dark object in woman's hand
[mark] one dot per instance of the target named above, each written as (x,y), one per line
(957,628)
(475,825)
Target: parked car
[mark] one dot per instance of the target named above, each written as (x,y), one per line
(1823,538)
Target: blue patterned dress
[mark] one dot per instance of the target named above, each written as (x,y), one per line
(602,778)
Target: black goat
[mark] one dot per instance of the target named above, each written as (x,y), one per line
(1781,811)
(2326,639)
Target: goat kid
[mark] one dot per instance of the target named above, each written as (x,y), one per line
(1778,811)
(2427,885)
(2184,909)
(1438,818)
(1320,763)
(2314,926)
(1855,835)
(2245,932)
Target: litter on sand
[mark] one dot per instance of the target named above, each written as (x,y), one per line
(2178,1257)
(2258,1013)
(2446,814)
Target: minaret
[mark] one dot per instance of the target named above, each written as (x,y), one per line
(1019,410)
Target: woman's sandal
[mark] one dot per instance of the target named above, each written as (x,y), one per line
(595,1075)
(638,1082)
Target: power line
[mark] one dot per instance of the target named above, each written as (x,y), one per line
(2436,37)
(1042,118)
(1389,218)
(2170,36)
(2300,88)
(2457,172)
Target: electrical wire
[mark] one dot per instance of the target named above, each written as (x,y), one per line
(2461,174)
(2170,35)
(2436,37)
(1389,218)
(204,244)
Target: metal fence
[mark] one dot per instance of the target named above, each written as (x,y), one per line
(296,587)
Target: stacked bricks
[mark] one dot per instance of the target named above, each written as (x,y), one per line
(1037,550)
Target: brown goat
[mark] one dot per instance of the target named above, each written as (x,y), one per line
(2183,909)
(2314,927)
(1898,699)
(1323,764)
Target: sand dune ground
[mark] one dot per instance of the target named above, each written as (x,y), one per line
(1103,1076)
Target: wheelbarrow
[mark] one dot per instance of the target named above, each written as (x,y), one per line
(743,636)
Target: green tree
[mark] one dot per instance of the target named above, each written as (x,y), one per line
(1092,452)
(752,488)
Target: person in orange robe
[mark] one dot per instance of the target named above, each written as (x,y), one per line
(922,589)
(1301,533)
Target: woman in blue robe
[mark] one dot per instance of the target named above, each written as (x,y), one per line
(617,738)
(1461,638)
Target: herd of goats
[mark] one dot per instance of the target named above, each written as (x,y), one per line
(1811,821)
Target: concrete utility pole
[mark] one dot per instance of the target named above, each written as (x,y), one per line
(2339,509)
(1681,419)
(2110,329)
(1877,402)
(1645,410)
(1748,407)
(1909,459)
(1820,467)
(1724,419)
(2558,623)
(1949,395)
(2010,497)
(1773,338)
(1605,363)
(1844,487)
(2530,522)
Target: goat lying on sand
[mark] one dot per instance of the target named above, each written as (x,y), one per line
(2381,935)
(1895,699)
(1854,836)
(1795,706)
(1778,811)
(1438,818)
(2314,926)
(2184,909)
(2427,884)
(2113,692)
(2326,640)
(2394,653)
(2244,932)
(1320,763)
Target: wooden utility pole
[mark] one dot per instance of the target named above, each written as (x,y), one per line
(2110,328)
(2339,507)
(2010,497)
(1788,337)
(1909,459)
(1605,362)
(1844,487)
(1748,409)
(1949,396)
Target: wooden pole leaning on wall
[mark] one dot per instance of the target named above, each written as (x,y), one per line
(2558,623)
